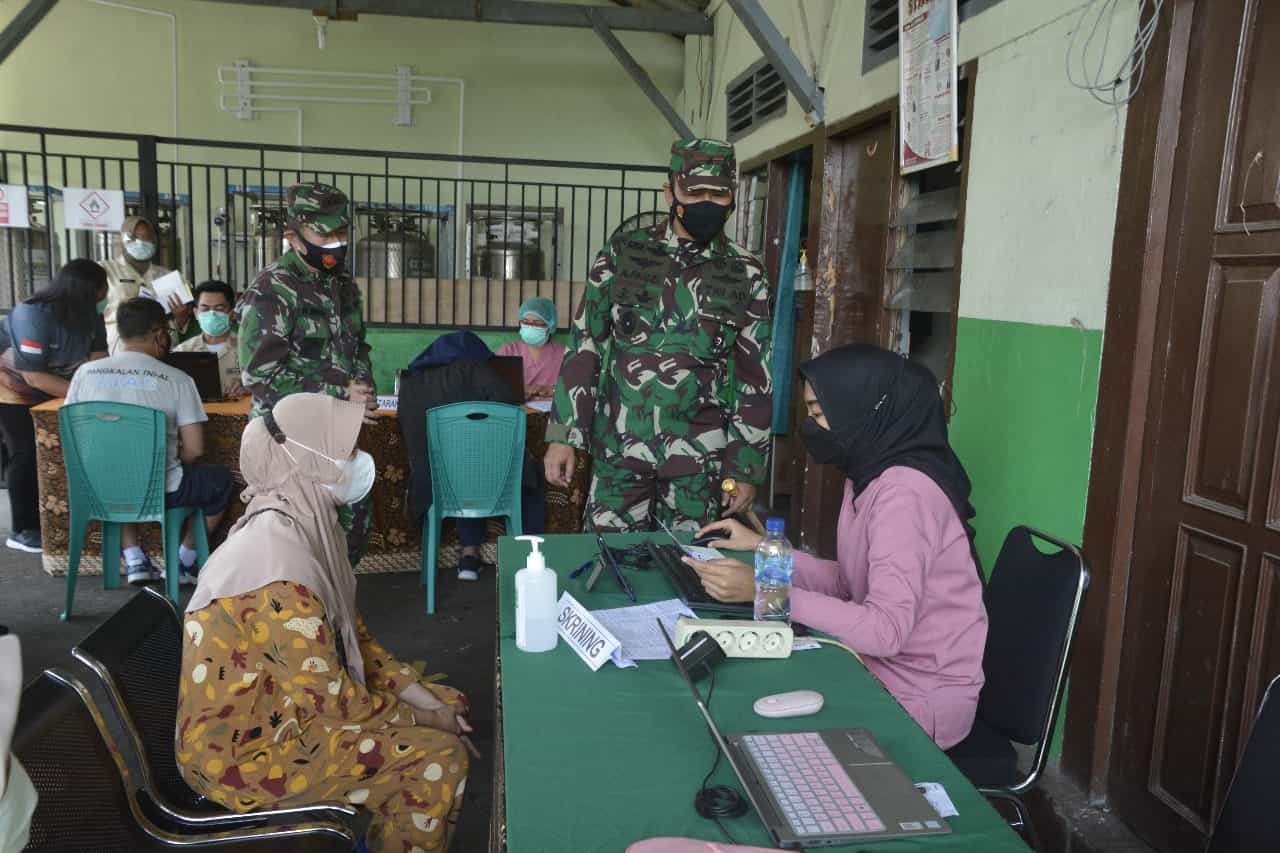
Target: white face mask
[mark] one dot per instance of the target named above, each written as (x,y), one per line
(140,250)
(358,474)
(357,479)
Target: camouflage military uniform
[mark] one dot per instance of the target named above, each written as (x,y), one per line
(302,330)
(667,381)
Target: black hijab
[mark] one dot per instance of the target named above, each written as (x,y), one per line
(885,411)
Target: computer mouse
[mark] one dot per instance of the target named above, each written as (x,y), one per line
(797,703)
(704,541)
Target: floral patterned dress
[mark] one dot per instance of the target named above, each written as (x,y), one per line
(268,715)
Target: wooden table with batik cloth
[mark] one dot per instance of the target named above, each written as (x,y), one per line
(395,537)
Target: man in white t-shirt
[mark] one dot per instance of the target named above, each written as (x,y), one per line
(137,375)
(214,301)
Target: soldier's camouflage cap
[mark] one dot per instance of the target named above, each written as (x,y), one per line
(321,207)
(703,164)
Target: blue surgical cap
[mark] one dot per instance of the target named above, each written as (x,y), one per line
(543,308)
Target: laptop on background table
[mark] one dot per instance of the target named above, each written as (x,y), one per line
(203,368)
(821,788)
(510,369)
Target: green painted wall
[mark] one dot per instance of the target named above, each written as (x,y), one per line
(1024,404)
(1025,398)
(392,349)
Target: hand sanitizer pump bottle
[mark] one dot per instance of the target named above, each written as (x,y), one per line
(535,602)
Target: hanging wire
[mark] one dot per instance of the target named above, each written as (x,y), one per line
(808,38)
(1087,67)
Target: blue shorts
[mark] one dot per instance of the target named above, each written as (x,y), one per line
(206,487)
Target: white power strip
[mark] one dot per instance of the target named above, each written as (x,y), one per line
(740,638)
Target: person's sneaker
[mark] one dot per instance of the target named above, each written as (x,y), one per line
(187,576)
(144,572)
(26,540)
(469,568)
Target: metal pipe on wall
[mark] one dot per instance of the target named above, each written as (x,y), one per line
(173,27)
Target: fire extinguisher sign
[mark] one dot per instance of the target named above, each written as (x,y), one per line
(13,206)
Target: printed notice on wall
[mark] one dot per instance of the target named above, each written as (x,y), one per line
(927,49)
(13,206)
(93,210)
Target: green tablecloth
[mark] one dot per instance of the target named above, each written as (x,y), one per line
(597,761)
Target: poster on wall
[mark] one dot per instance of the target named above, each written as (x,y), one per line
(929,133)
(13,206)
(93,210)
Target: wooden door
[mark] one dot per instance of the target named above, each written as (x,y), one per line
(857,178)
(1202,627)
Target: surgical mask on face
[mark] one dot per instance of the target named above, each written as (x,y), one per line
(326,257)
(821,443)
(356,480)
(215,324)
(140,250)
(704,220)
(534,336)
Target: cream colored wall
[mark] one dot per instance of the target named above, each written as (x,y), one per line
(530,91)
(1045,158)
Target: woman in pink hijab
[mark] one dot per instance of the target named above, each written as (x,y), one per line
(286,699)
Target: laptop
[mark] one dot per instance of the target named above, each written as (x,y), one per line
(203,368)
(510,369)
(688,585)
(821,788)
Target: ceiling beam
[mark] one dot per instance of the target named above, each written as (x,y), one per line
(639,75)
(22,25)
(780,55)
(526,12)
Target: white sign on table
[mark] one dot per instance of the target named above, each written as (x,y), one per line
(14,212)
(93,210)
(584,633)
(928,103)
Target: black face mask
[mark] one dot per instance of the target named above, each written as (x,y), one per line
(322,259)
(821,444)
(704,220)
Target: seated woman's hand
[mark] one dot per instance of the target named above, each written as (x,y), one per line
(735,536)
(725,579)
(443,718)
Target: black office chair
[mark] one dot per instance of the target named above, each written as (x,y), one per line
(1033,603)
(1248,822)
(85,802)
(137,656)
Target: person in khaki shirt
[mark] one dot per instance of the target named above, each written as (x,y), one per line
(214,302)
(134,270)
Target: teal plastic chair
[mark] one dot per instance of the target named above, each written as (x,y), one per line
(115,459)
(477,467)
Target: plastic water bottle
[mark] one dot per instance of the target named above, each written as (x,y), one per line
(773,573)
(802,282)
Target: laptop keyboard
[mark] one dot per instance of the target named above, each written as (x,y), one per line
(815,793)
(685,579)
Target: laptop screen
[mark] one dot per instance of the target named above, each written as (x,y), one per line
(697,697)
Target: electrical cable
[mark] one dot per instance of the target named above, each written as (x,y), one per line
(1118,88)
(808,40)
(838,645)
(718,801)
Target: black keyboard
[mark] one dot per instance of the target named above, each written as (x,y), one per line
(687,583)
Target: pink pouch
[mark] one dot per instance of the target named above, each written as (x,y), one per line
(690,845)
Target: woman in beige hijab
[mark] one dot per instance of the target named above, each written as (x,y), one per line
(286,699)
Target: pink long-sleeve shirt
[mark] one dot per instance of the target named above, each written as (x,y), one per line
(906,596)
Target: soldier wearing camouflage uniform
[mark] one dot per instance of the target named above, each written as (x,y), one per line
(666,381)
(301,323)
